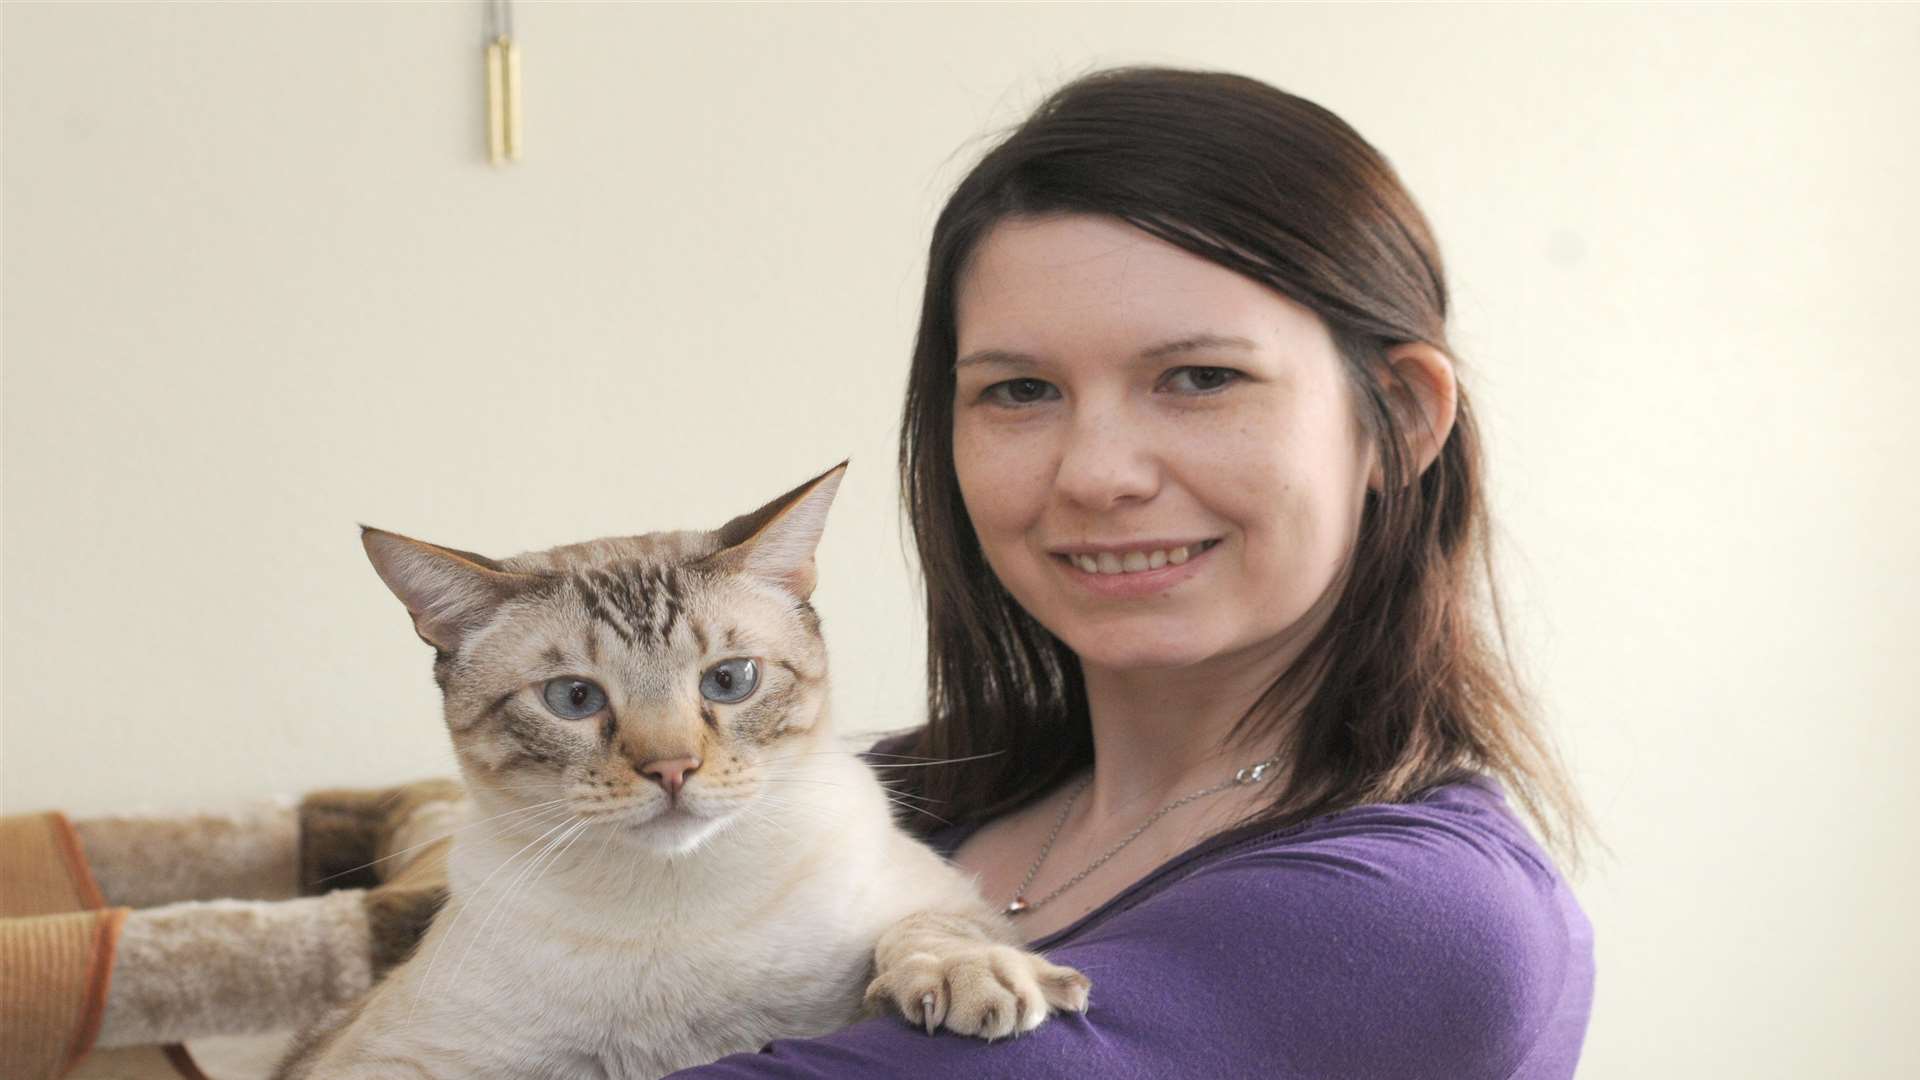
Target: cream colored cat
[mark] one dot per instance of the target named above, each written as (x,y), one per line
(673,860)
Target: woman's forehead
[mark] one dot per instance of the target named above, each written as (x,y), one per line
(1062,287)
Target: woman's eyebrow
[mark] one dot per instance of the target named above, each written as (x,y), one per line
(1195,343)
(993,356)
(1190,343)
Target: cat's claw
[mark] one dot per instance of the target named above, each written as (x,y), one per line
(989,991)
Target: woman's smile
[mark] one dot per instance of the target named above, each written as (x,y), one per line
(1133,570)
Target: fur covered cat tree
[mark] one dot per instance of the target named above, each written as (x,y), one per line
(122,937)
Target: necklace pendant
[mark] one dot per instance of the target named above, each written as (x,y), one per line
(1019,905)
(1253,774)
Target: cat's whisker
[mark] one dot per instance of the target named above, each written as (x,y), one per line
(765,815)
(636,866)
(480,889)
(437,839)
(800,804)
(762,819)
(920,810)
(596,862)
(788,779)
(844,752)
(818,813)
(893,796)
(571,827)
(561,855)
(427,979)
(803,754)
(905,796)
(896,792)
(768,803)
(905,761)
(601,853)
(803,780)
(762,810)
(922,763)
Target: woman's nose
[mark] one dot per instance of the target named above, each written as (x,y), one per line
(1106,462)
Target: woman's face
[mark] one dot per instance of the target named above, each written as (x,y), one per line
(1160,456)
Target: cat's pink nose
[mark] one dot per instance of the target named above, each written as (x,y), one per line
(671,773)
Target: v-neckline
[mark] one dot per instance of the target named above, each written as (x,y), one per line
(1142,887)
(949,840)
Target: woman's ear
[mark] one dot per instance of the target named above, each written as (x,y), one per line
(1419,384)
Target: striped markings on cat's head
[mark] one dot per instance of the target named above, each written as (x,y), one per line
(653,682)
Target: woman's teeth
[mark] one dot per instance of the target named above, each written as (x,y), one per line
(1134,562)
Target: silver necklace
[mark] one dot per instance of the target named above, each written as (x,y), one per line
(1252,774)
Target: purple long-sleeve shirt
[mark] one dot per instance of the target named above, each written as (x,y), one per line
(1430,939)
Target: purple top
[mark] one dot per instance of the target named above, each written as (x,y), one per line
(1424,939)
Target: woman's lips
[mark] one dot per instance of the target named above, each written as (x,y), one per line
(1127,585)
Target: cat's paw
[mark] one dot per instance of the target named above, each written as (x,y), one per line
(990,991)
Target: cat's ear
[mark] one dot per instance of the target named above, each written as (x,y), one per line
(777,541)
(449,593)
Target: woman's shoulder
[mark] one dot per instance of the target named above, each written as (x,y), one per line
(1457,848)
(1442,912)
(1455,835)
(1452,871)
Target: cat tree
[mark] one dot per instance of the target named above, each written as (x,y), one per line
(123,937)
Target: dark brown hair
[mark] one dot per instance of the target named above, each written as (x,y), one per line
(1401,689)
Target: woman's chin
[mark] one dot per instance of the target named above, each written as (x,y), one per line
(1116,653)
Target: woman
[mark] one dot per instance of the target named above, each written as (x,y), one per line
(1198,500)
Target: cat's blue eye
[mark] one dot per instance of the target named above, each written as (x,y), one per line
(573,699)
(730,680)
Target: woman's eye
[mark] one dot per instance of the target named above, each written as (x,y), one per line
(1018,391)
(573,699)
(730,680)
(1200,380)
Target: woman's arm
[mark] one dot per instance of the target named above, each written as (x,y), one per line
(1395,942)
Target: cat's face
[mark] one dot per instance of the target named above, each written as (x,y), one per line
(651,685)
(642,693)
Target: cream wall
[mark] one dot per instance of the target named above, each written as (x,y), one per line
(259,286)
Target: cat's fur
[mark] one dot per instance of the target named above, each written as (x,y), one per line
(621,932)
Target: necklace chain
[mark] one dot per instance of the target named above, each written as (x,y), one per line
(1252,774)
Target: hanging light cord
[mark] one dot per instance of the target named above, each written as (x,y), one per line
(499,19)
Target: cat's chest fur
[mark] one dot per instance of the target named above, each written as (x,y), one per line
(635,1007)
(635,970)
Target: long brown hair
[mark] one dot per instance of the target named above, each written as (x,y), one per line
(1402,688)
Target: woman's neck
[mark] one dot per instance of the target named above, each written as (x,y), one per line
(1162,733)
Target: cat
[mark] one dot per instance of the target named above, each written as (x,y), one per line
(672,860)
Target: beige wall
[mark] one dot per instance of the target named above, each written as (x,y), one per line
(258,287)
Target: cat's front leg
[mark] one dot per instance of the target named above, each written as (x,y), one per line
(969,974)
